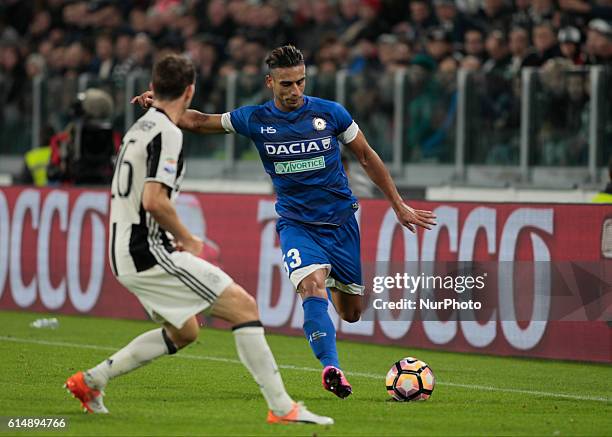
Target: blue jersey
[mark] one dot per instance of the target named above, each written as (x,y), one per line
(300,151)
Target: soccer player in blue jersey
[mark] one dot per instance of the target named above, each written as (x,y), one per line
(298,138)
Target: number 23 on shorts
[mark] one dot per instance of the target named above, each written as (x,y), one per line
(293,257)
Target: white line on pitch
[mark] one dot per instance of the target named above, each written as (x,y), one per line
(312,369)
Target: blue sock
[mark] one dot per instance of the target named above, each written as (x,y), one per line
(320,331)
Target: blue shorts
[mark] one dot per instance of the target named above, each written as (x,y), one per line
(307,248)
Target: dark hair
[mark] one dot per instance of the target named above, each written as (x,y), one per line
(285,56)
(171,75)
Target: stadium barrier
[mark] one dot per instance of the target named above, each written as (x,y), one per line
(53,258)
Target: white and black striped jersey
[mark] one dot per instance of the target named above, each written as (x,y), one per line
(151,151)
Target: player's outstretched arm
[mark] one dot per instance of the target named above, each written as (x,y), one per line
(192,120)
(378,173)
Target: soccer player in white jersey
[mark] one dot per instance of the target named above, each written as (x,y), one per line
(298,138)
(156,258)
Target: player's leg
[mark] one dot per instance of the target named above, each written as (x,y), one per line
(348,306)
(308,267)
(318,326)
(236,306)
(321,333)
(142,350)
(159,292)
(345,280)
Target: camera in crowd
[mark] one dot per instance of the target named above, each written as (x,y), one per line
(83,154)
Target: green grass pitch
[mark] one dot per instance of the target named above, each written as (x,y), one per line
(203,390)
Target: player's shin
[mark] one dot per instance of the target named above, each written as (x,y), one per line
(257,357)
(319,330)
(143,349)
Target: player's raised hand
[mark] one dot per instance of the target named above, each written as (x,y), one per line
(145,100)
(409,217)
(194,245)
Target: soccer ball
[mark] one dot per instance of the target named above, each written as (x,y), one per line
(410,379)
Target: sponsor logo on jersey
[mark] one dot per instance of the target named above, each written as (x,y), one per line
(170,165)
(298,147)
(318,123)
(300,166)
(145,125)
(268,130)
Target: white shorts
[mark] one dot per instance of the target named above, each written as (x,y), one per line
(183,287)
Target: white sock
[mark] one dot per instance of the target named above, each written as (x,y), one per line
(143,349)
(257,357)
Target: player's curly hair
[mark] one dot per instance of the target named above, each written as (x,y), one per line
(285,56)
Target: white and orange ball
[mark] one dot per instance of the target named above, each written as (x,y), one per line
(410,379)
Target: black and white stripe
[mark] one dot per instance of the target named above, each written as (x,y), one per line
(163,259)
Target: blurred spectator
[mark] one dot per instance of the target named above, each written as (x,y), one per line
(273,31)
(12,83)
(226,36)
(439,44)
(142,52)
(521,16)
(40,26)
(104,61)
(368,23)
(543,10)
(324,23)
(569,43)
(76,59)
(439,145)
(520,49)
(561,135)
(35,66)
(473,44)
(138,20)
(123,59)
(422,107)
(545,43)
(421,18)
(494,15)
(385,46)
(349,13)
(402,53)
(471,63)
(216,20)
(499,58)
(599,42)
(455,23)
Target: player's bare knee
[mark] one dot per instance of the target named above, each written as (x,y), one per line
(184,336)
(312,287)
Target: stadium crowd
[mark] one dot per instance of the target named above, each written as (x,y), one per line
(371,39)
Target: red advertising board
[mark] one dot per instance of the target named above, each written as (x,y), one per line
(53,257)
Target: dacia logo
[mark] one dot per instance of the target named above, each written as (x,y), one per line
(298,147)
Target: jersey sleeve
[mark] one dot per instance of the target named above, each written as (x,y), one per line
(162,157)
(237,121)
(347,128)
